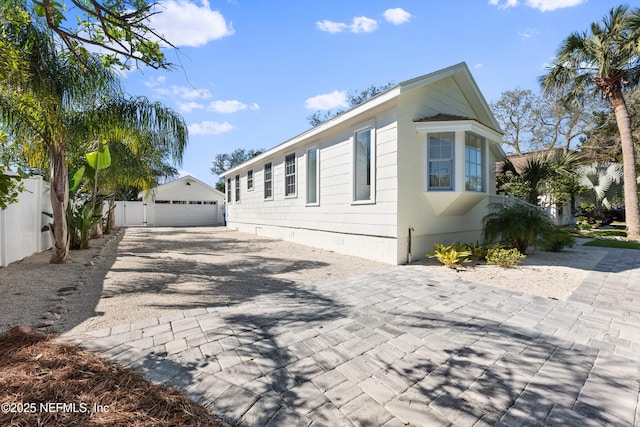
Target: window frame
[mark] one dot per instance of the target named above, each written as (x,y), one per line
(371,176)
(229,191)
(268,181)
(451,159)
(250,185)
(290,175)
(481,166)
(237,189)
(316,202)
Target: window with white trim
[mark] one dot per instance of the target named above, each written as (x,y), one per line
(290,175)
(250,180)
(268,181)
(313,172)
(237,188)
(363,167)
(474,176)
(228,190)
(440,157)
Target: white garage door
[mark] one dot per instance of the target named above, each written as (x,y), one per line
(181,215)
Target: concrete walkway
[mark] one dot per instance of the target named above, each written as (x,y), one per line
(404,347)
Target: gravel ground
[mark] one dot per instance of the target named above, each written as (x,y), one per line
(137,273)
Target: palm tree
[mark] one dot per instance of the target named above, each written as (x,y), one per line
(62,104)
(605,60)
(602,182)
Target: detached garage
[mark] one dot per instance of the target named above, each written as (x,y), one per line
(184,202)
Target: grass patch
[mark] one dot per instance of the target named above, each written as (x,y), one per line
(610,243)
(36,370)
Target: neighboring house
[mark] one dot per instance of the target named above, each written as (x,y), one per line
(385,180)
(186,201)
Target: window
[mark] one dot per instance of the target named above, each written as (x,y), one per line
(250,180)
(440,156)
(312,176)
(268,181)
(473,162)
(362,166)
(228,190)
(290,175)
(237,188)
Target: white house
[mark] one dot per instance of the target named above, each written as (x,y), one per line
(186,201)
(385,180)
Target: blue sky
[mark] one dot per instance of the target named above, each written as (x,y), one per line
(251,72)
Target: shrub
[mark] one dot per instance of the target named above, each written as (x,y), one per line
(452,256)
(478,250)
(556,239)
(505,258)
(519,226)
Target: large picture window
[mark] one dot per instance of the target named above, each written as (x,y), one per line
(290,175)
(312,176)
(440,157)
(362,166)
(474,162)
(268,181)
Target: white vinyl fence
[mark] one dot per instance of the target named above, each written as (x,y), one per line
(21,223)
(130,214)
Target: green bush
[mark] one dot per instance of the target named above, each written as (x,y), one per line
(478,250)
(556,239)
(453,256)
(518,226)
(505,258)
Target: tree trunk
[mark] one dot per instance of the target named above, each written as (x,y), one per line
(632,210)
(111,217)
(59,201)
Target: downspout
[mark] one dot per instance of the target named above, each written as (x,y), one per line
(409,251)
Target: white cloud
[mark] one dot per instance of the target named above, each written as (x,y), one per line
(528,33)
(541,5)
(184,23)
(183,92)
(231,106)
(187,107)
(478,66)
(327,101)
(397,16)
(155,82)
(360,24)
(331,27)
(210,128)
(549,5)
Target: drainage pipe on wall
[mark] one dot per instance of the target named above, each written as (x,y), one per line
(409,251)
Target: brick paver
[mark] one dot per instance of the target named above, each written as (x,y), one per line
(386,349)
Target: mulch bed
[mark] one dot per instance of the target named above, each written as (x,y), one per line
(47,383)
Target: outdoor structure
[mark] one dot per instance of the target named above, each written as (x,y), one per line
(186,201)
(385,180)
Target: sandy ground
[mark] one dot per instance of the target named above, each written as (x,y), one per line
(137,273)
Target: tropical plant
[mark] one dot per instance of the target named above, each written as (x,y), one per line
(11,186)
(450,256)
(61,104)
(556,239)
(605,60)
(505,258)
(551,174)
(518,226)
(603,184)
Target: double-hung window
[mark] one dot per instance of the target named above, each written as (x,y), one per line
(312,176)
(228,190)
(250,180)
(363,167)
(440,155)
(474,162)
(237,188)
(290,175)
(268,181)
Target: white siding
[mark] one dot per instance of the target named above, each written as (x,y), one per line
(345,224)
(415,208)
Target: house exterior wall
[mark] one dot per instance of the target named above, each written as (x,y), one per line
(417,208)
(336,222)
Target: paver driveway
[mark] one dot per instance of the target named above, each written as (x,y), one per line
(403,347)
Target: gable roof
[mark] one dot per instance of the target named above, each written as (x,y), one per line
(460,72)
(187,179)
